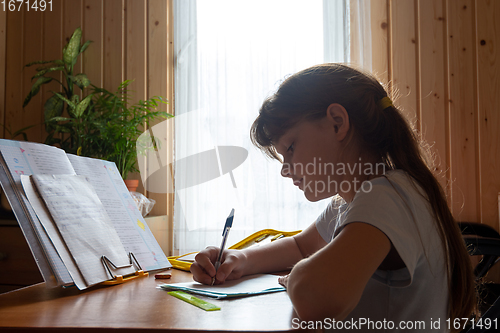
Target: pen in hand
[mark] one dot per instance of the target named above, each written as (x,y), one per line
(225,233)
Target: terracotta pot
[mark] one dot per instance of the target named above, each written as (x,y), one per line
(132,184)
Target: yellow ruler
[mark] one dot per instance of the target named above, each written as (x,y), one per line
(194,300)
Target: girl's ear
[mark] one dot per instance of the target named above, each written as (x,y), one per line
(337,115)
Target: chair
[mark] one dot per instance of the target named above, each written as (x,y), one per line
(485,241)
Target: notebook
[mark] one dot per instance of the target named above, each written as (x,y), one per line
(250,285)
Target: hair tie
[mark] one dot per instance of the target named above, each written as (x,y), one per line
(384,103)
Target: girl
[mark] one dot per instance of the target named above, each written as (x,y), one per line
(387,247)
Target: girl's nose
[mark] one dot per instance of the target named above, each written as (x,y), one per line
(286,170)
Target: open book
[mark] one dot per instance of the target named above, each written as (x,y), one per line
(106,195)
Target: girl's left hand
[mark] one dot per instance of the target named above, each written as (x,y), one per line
(283,280)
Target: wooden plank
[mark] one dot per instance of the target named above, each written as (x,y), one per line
(72,19)
(380,48)
(404,53)
(52,50)
(113,44)
(136,49)
(32,51)
(157,71)
(32,47)
(93,30)
(136,67)
(14,93)
(488,39)
(463,111)
(433,83)
(170,109)
(3,37)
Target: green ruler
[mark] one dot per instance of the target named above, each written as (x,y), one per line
(194,300)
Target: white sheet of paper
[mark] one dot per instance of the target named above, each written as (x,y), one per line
(50,227)
(83,224)
(122,210)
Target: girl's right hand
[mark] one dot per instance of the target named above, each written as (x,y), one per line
(231,268)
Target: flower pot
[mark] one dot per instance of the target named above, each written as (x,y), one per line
(132,184)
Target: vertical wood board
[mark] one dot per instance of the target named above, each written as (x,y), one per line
(463,112)
(433,84)
(92,58)
(113,44)
(404,57)
(488,40)
(3,37)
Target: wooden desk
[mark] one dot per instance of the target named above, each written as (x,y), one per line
(137,305)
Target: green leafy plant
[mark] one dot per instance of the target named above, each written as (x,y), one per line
(120,122)
(103,124)
(69,132)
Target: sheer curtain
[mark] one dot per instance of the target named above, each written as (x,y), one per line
(231,55)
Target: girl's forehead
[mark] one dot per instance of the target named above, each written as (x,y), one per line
(287,136)
(301,128)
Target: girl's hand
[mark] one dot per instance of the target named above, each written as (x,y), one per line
(283,280)
(231,268)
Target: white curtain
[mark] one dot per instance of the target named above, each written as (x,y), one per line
(230,55)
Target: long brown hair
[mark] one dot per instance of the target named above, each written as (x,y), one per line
(307,94)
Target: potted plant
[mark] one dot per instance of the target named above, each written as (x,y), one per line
(102,124)
(120,124)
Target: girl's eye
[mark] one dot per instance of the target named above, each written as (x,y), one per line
(290,148)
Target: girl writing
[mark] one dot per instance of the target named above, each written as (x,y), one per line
(387,246)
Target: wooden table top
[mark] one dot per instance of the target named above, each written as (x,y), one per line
(138,305)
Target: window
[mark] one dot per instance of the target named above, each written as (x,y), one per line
(230,55)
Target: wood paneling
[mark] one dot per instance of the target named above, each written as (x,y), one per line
(132,39)
(157,39)
(462,110)
(379,27)
(93,30)
(113,23)
(442,59)
(3,36)
(488,87)
(433,102)
(14,117)
(32,51)
(404,57)
(52,45)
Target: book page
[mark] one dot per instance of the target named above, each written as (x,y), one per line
(55,236)
(27,158)
(122,210)
(84,225)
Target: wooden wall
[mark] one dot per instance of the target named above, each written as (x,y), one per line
(132,39)
(440,56)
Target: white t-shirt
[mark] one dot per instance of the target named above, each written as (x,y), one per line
(416,296)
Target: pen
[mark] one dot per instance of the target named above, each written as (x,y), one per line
(225,233)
